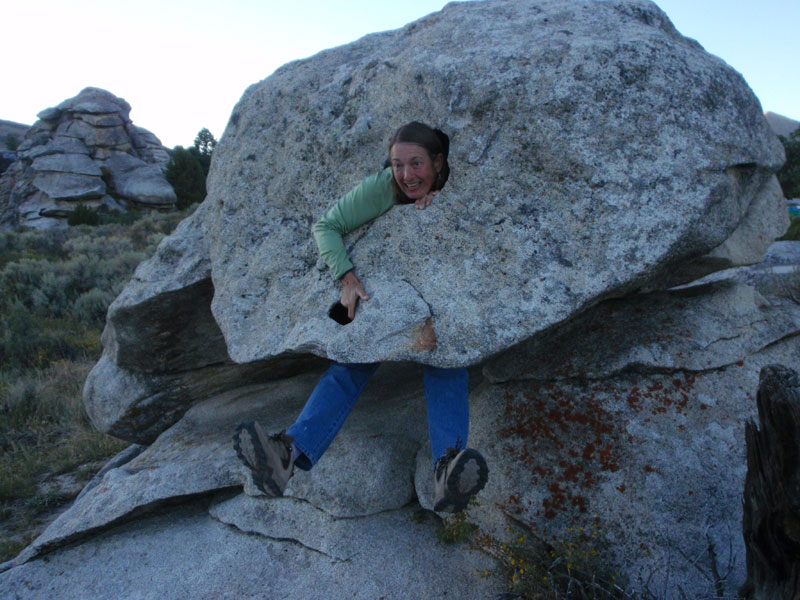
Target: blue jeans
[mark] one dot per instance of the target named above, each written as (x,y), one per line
(340,387)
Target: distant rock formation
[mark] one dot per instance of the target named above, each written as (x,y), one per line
(10,130)
(599,159)
(85,150)
(781,125)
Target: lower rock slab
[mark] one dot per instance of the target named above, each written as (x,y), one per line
(186,553)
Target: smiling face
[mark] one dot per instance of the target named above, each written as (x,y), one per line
(413,169)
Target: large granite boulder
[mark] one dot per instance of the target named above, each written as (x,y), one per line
(595,151)
(599,160)
(620,157)
(85,150)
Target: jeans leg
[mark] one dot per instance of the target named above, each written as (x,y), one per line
(447,395)
(327,408)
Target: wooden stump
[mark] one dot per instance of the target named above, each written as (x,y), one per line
(771,522)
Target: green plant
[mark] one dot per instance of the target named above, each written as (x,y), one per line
(419,516)
(83,215)
(572,567)
(793,232)
(456,529)
(30,341)
(187,169)
(12,141)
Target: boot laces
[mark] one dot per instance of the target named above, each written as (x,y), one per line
(285,441)
(444,460)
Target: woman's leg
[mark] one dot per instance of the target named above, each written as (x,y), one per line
(458,472)
(327,408)
(447,396)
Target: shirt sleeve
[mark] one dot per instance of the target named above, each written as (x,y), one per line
(368,200)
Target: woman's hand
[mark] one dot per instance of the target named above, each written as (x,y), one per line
(425,201)
(352,290)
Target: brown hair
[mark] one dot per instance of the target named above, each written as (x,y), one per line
(435,142)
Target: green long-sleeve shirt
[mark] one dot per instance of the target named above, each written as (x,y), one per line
(368,200)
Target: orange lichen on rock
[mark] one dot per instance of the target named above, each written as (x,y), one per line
(572,438)
(565,441)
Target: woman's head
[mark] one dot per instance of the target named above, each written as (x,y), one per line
(418,157)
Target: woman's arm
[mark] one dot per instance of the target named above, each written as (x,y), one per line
(368,200)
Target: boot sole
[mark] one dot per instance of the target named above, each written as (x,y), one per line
(261,472)
(454,500)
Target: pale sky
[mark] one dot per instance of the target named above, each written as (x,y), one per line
(183,64)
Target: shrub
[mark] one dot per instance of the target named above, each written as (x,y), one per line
(573,567)
(12,141)
(55,286)
(91,306)
(29,341)
(126,218)
(83,215)
(456,529)
(32,244)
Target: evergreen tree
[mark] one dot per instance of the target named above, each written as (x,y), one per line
(203,148)
(205,143)
(188,168)
(789,175)
(186,175)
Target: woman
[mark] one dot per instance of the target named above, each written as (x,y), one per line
(416,170)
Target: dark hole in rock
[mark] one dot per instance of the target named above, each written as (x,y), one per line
(338,312)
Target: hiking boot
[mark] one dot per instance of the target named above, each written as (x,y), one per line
(458,475)
(269,458)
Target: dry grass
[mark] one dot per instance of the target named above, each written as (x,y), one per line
(44,433)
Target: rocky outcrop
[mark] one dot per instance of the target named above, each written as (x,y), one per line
(634,439)
(85,150)
(599,160)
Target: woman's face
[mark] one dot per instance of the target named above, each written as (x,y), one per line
(413,169)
